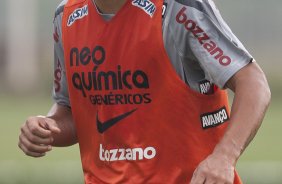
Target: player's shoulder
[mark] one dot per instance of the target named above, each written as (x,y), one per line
(203,6)
(60,8)
(71,3)
(191,3)
(66,3)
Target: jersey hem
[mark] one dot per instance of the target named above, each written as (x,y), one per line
(224,78)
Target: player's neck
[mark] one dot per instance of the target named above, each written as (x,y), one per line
(109,6)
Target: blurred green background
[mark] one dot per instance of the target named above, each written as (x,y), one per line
(26,59)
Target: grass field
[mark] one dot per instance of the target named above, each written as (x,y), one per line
(260,164)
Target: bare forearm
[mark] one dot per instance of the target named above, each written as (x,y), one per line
(63,116)
(252,97)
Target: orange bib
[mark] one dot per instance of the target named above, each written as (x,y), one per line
(137,121)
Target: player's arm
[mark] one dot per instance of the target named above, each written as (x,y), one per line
(62,116)
(40,133)
(252,97)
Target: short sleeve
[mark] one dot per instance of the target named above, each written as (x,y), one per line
(60,88)
(218,51)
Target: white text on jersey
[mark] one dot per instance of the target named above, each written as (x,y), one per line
(214,119)
(126,154)
(146,5)
(78,14)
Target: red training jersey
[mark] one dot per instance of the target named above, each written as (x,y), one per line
(136,120)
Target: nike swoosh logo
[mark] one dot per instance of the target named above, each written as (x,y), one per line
(104,126)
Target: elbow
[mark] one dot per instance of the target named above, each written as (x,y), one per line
(265,90)
(261,85)
(267,94)
(253,78)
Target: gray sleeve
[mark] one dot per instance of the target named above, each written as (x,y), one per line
(209,39)
(220,69)
(60,88)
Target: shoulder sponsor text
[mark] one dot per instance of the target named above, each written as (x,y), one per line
(146,5)
(77,14)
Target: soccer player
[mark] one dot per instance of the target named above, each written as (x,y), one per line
(139,84)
